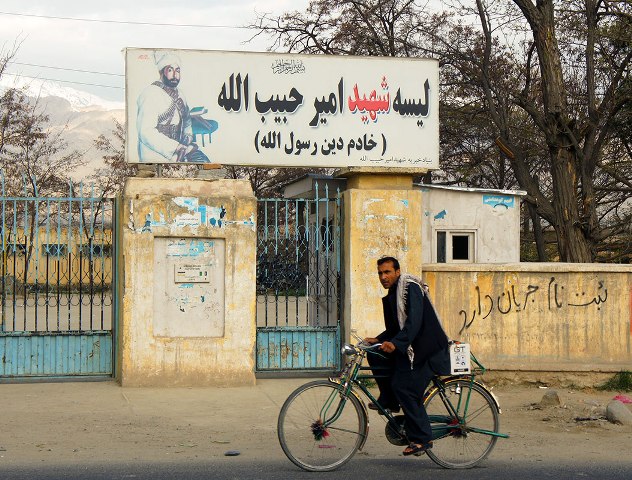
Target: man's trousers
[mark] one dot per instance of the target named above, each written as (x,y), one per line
(405,386)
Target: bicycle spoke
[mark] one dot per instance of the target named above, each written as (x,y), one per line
(316,444)
(345,430)
(462,445)
(473,415)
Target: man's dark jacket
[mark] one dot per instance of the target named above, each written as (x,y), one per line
(422,328)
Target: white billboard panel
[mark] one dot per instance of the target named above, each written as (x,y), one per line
(270,109)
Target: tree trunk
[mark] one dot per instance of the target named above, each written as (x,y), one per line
(572,242)
(537,233)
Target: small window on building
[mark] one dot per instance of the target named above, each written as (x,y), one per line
(17,249)
(98,250)
(441,257)
(55,250)
(461,247)
(455,247)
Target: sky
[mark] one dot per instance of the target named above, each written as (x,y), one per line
(51,48)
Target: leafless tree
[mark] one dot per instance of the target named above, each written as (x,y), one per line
(541,89)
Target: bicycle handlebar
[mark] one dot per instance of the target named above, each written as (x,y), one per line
(349,349)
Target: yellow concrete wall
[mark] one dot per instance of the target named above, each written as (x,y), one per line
(151,209)
(376,223)
(538,316)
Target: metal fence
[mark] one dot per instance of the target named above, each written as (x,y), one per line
(298,283)
(56,278)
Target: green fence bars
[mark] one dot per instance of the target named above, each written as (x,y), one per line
(299,307)
(56,281)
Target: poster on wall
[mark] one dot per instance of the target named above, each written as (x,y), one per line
(271,109)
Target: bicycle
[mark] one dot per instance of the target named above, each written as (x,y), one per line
(319,431)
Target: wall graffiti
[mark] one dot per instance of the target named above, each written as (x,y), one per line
(517,299)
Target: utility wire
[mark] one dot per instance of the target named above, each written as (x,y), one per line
(63,81)
(66,69)
(125,22)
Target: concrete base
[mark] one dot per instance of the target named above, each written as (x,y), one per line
(381,220)
(189,270)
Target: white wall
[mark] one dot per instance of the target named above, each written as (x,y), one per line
(492,216)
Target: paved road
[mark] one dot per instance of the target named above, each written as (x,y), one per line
(233,468)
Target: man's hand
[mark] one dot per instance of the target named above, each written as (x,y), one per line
(387,347)
(371,340)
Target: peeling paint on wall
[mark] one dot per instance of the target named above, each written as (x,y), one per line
(394,217)
(368,202)
(190,203)
(130,224)
(179,331)
(441,215)
(250,222)
(188,247)
(199,214)
(147,225)
(405,202)
(189,287)
(216,217)
(161,221)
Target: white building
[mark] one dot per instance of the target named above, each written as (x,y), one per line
(470,225)
(459,224)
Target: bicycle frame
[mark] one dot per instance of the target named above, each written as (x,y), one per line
(319,431)
(350,376)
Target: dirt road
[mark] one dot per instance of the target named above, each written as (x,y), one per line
(91,423)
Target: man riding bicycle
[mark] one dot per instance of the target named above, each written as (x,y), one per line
(414,349)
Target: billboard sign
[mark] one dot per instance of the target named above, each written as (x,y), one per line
(270,109)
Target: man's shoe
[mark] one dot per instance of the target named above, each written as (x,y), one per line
(373,406)
(417,449)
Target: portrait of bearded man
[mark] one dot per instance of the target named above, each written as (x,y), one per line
(164,121)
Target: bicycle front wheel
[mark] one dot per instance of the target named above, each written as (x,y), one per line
(319,428)
(464,440)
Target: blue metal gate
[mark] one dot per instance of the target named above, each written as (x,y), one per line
(299,307)
(56,283)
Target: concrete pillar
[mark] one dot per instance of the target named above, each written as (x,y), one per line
(189,274)
(382,217)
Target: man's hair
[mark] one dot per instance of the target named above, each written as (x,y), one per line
(382,260)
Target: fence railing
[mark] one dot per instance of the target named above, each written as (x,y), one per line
(55,260)
(298,261)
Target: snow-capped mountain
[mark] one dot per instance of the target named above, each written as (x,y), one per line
(80,116)
(79,100)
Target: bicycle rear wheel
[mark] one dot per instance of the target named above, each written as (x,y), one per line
(318,428)
(462,442)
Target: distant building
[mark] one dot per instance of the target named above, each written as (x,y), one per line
(55,257)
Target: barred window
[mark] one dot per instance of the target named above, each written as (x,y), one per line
(98,250)
(17,249)
(55,250)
